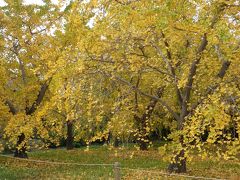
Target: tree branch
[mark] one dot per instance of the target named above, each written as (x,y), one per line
(200,49)
(136,94)
(39,99)
(163,103)
(193,68)
(211,89)
(12,109)
(126,3)
(170,67)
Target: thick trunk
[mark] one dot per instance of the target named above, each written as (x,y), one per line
(21,152)
(144,145)
(143,138)
(69,140)
(179,165)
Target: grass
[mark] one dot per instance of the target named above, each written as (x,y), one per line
(11,168)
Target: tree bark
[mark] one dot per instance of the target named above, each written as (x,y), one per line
(142,121)
(21,152)
(179,161)
(116,142)
(144,144)
(179,165)
(69,140)
(143,139)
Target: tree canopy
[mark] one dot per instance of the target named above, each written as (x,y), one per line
(122,71)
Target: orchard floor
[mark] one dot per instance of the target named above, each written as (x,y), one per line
(151,161)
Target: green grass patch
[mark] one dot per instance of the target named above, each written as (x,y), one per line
(11,168)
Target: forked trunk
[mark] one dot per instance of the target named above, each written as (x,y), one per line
(21,152)
(69,140)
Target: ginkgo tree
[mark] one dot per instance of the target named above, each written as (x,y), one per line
(74,99)
(28,56)
(189,47)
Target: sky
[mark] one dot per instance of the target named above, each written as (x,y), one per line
(38,2)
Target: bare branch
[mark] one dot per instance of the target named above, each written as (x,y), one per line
(163,103)
(160,71)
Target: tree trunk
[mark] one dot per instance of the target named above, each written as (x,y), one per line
(144,145)
(143,124)
(21,152)
(179,165)
(69,140)
(143,138)
(116,142)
